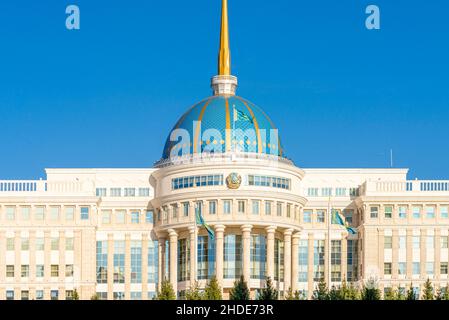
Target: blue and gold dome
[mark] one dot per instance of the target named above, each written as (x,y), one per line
(222,124)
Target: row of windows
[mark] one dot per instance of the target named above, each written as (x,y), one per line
(120,295)
(416,212)
(416,242)
(256,208)
(320,216)
(39,294)
(40,268)
(197,181)
(39,244)
(119,216)
(42,213)
(416,268)
(328,192)
(118,258)
(126,192)
(268,181)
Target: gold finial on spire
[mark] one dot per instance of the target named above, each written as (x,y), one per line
(224,57)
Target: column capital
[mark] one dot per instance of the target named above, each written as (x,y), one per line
(288,232)
(193,229)
(219,228)
(296,236)
(247,228)
(271,229)
(172,233)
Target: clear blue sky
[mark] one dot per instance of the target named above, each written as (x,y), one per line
(108,94)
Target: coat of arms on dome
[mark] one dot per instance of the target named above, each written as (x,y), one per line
(233,181)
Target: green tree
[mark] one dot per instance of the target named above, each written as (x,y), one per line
(390,294)
(94,297)
(194,293)
(290,295)
(269,292)
(428,290)
(400,295)
(335,293)
(349,292)
(321,292)
(75,295)
(167,292)
(443,293)
(240,290)
(213,290)
(410,293)
(370,291)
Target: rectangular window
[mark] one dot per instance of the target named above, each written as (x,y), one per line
(136,261)
(213,207)
(256,207)
(135,295)
(402,212)
(149,216)
(10,271)
(39,294)
(119,261)
(69,270)
(69,294)
(119,295)
(354,192)
(10,213)
(10,244)
(25,244)
(69,213)
(135,217)
(9,294)
(307,216)
(318,260)
(120,216)
(416,268)
(130,192)
(25,213)
(24,271)
(40,244)
(416,243)
(54,294)
(152,261)
(54,243)
(430,212)
(144,192)
(100,192)
(69,243)
(54,270)
(186,209)
(227,206)
(443,268)
(289,210)
(39,270)
(388,212)
(39,213)
(102,261)
(388,242)
(175,211)
(444,212)
(267,208)
(336,260)
(340,192)
(54,213)
(84,213)
(387,268)
(279,209)
(374,212)
(429,268)
(321,216)
(326,192)
(115,192)
(106,216)
(312,192)
(241,206)
(402,267)
(444,242)
(24,295)
(303,260)
(349,216)
(416,212)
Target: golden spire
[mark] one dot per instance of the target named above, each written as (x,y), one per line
(224,56)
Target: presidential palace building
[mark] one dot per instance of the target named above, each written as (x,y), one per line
(117,233)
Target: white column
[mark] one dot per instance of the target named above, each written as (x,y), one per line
(219,251)
(246,238)
(193,259)
(270,251)
(294,259)
(287,259)
(173,259)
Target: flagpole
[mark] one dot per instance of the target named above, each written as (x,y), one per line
(233,127)
(329,249)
